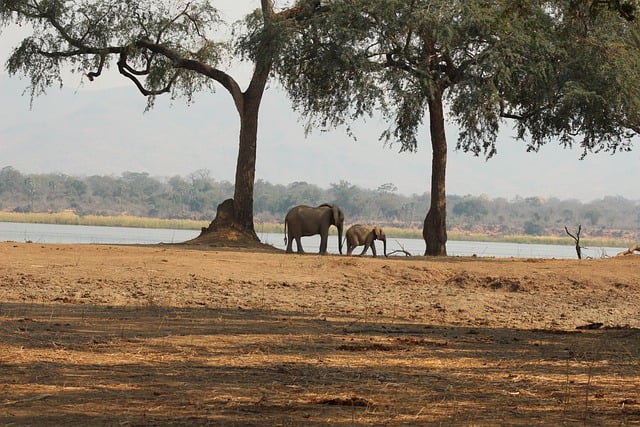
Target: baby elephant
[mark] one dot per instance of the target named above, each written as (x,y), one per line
(362,235)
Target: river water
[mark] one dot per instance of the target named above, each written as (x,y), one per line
(52,233)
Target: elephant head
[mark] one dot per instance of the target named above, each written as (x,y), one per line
(379,234)
(338,221)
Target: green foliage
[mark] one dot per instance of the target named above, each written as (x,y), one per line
(145,39)
(471,207)
(562,73)
(533,228)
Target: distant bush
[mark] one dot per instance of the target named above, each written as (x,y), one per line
(533,228)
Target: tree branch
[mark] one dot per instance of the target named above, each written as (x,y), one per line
(93,74)
(130,73)
(188,64)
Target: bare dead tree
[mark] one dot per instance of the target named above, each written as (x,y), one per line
(576,238)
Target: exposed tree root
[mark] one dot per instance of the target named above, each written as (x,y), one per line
(224,231)
(631,250)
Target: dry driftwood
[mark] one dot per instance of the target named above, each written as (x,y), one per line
(631,250)
(401,250)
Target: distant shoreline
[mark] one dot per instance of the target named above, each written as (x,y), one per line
(71,218)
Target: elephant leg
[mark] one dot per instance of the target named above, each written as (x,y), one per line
(366,247)
(290,245)
(299,244)
(373,249)
(323,243)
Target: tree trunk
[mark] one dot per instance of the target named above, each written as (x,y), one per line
(249,110)
(434,230)
(248,107)
(246,165)
(240,216)
(235,216)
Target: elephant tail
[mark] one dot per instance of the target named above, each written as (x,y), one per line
(285,232)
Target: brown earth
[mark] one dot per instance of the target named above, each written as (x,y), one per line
(185,335)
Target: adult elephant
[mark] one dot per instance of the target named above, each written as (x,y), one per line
(308,221)
(359,234)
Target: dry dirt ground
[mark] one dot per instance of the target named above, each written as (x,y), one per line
(177,335)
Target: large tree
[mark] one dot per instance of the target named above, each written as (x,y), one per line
(162,47)
(562,70)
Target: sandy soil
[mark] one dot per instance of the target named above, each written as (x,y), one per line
(175,335)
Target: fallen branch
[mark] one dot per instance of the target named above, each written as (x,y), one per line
(401,250)
(631,250)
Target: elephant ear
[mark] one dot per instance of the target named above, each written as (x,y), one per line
(377,232)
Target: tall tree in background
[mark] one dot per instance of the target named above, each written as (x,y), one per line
(564,71)
(161,47)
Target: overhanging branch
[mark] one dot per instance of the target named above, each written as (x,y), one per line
(93,74)
(131,74)
(189,64)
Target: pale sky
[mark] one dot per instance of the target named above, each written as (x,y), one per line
(99,127)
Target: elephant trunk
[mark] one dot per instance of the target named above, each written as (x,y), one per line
(384,242)
(340,238)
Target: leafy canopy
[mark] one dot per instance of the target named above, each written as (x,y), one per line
(562,70)
(146,37)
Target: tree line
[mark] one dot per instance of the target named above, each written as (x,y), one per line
(197,195)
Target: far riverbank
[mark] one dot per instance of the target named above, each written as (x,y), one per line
(71,218)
